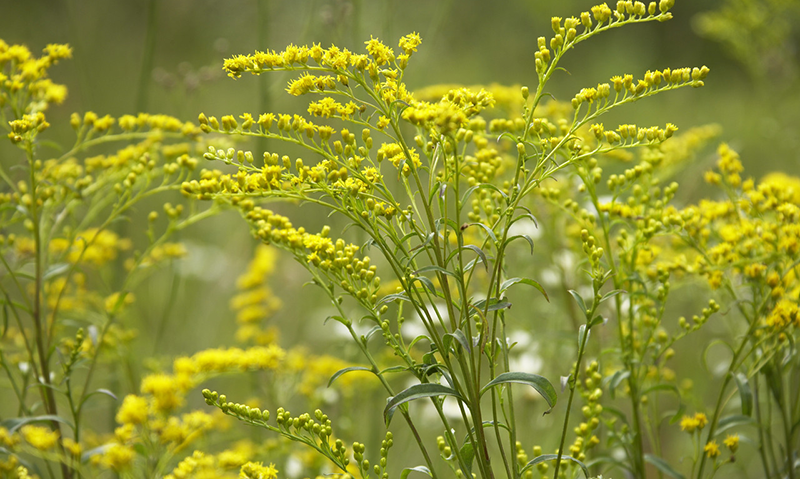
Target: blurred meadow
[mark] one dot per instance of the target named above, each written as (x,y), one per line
(166,57)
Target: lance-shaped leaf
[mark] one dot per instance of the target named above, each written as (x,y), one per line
(745,393)
(539,383)
(417,391)
(345,371)
(408,470)
(663,466)
(510,282)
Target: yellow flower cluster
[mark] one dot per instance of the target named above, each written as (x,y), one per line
(41,438)
(297,57)
(32,123)
(167,391)
(755,233)
(328,107)
(397,156)
(222,466)
(256,470)
(694,423)
(504,97)
(450,113)
(256,302)
(310,83)
(92,246)
(336,259)
(160,253)
(22,74)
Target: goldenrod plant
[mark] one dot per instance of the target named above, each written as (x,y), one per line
(502,264)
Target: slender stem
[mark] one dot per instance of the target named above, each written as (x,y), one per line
(147,57)
(572,386)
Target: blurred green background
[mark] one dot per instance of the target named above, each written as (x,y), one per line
(166,57)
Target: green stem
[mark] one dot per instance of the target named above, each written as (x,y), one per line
(147,57)
(572,386)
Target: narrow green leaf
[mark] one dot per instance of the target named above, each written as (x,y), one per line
(408,470)
(596,320)
(394,297)
(468,454)
(487,229)
(525,237)
(663,466)
(417,391)
(459,336)
(393,369)
(345,371)
(731,421)
(499,305)
(480,253)
(579,300)
(418,339)
(426,282)
(433,267)
(663,387)
(615,381)
(745,393)
(100,391)
(539,383)
(12,424)
(510,282)
(611,294)
(583,336)
(55,270)
(553,457)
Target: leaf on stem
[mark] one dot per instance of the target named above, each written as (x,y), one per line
(417,391)
(745,393)
(344,371)
(408,470)
(510,282)
(663,466)
(539,383)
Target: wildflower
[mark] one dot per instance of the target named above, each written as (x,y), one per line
(133,410)
(732,442)
(711,449)
(692,423)
(256,470)
(164,390)
(118,456)
(410,42)
(8,439)
(380,52)
(39,437)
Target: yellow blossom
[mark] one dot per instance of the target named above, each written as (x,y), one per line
(410,42)
(133,410)
(118,456)
(39,437)
(732,442)
(711,449)
(164,391)
(256,470)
